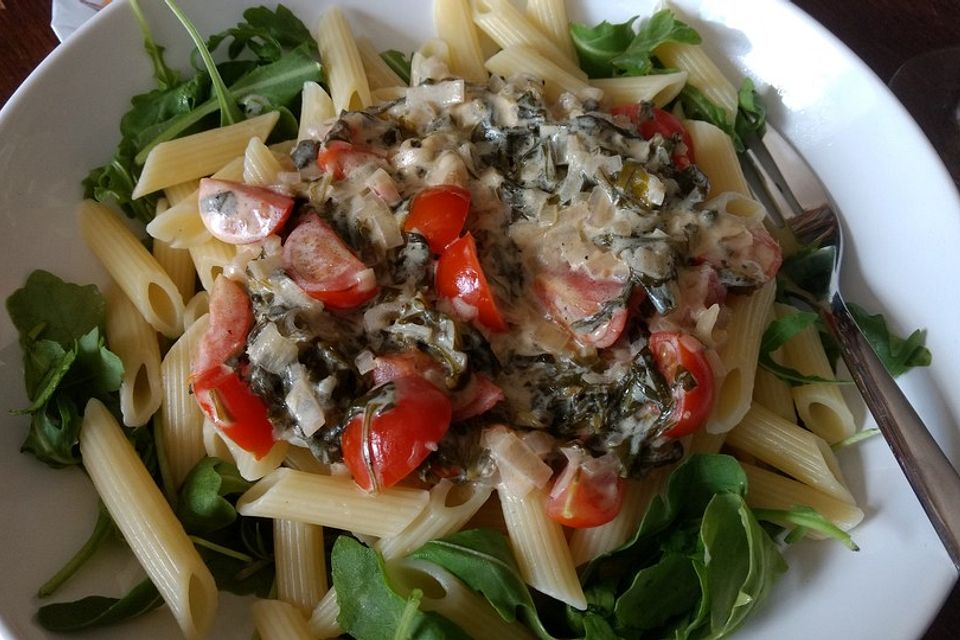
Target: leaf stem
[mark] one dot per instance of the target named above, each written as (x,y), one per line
(224,551)
(101,530)
(230,112)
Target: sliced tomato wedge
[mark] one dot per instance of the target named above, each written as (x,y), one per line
(230,404)
(411,362)
(239,214)
(681,360)
(655,121)
(438,214)
(589,491)
(323,266)
(460,278)
(231,318)
(339,158)
(479,396)
(572,297)
(382,446)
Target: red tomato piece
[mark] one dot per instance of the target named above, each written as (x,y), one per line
(239,214)
(479,396)
(459,277)
(589,491)
(412,362)
(382,450)
(339,158)
(438,214)
(230,404)
(572,296)
(231,318)
(323,266)
(681,360)
(664,123)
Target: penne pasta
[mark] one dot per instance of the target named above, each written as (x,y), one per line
(332,501)
(132,267)
(135,343)
(520,59)
(277,620)
(345,76)
(454,24)
(300,562)
(550,16)
(210,259)
(791,449)
(508,27)
(316,107)
(717,158)
(739,357)
(820,405)
(147,522)
(702,73)
(260,166)
(659,89)
(541,548)
(379,73)
(200,154)
(178,265)
(179,424)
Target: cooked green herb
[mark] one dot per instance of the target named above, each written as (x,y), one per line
(398,62)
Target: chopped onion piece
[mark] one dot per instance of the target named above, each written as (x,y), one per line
(302,402)
(521,469)
(271,350)
(364,362)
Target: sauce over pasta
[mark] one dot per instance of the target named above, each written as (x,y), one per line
(466,269)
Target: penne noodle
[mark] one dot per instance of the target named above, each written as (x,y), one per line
(454,24)
(344,69)
(332,501)
(147,522)
(135,343)
(300,562)
(200,154)
(277,620)
(659,89)
(550,16)
(132,267)
(791,449)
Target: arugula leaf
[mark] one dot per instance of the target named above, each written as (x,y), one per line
(596,46)
(660,28)
(98,611)
(898,355)
(202,507)
(482,559)
(703,539)
(809,270)
(229,109)
(751,111)
(166,77)
(178,108)
(265,33)
(672,583)
(398,62)
(697,106)
(859,436)
(275,84)
(65,361)
(48,308)
(776,335)
(374,611)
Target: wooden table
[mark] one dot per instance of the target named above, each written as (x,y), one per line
(884,33)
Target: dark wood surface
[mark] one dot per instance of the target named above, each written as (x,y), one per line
(884,33)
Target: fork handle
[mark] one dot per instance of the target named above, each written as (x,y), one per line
(927,468)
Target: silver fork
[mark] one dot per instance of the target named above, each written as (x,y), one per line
(788,187)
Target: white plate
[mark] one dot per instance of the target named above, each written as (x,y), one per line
(901,211)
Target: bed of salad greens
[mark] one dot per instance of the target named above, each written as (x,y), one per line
(700,560)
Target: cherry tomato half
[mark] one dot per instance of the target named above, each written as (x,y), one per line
(664,123)
(339,158)
(383,448)
(572,296)
(230,320)
(589,491)
(230,404)
(323,266)
(460,277)
(681,360)
(438,214)
(239,214)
